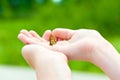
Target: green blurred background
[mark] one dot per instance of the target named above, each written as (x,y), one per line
(40,15)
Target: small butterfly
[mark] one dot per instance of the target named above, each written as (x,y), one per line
(52,40)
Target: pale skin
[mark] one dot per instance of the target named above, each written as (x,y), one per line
(83,44)
(48,64)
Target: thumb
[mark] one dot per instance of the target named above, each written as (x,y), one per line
(61,48)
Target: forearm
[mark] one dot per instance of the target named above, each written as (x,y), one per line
(108,59)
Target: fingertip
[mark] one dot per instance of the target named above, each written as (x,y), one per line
(23,30)
(20,36)
(48,31)
(31,31)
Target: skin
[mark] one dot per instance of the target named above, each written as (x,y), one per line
(83,44)
(46,62)
(49,65)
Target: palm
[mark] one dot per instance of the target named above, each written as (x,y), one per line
(77,44)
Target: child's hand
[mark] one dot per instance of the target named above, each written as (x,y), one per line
(78,44)
(83,44)
(48,64)
(31,37)
(89,45)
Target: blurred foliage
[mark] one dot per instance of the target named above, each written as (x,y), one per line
(40,15)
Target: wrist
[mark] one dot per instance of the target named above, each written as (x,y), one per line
(54,68)
(107,58)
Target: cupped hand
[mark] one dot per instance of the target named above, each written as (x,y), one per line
(78,44)
(45,61)
(31,37)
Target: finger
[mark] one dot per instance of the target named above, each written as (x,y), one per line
(23,38)
(25,32)
(34,34)
(65,34)
(47,34)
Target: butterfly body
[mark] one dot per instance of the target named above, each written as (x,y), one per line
(52,40)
